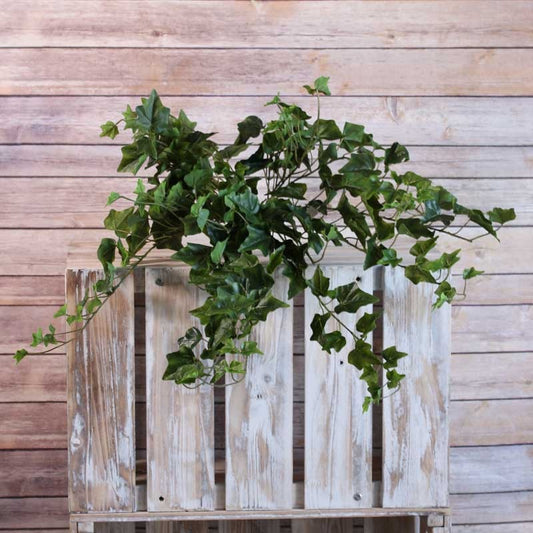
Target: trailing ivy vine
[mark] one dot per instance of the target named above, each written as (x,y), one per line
(237,213)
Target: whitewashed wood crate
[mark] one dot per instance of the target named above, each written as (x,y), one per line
(241,480)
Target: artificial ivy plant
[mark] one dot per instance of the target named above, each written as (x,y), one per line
(238,213)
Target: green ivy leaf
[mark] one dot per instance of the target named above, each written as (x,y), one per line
(471,272)
(351,298)
(109,129)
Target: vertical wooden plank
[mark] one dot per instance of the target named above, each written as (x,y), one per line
(323,525)
(397,524)
(249,526)
(114,527)
(176,527)
(180,427)
(101,401)
(259,419)
(415,418)
(338,435)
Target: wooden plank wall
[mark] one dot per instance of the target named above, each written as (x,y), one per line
(451,79)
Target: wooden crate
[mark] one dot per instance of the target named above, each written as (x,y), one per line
(288,448)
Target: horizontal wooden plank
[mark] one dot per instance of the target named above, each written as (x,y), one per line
(475,329)
(495,375)
(495,507)
(491,469)
(282,24)
(34,513)
(80,202)
(32,290)
(33,473)
(411,120)
(491,422)
(431,161)
(472,423)
(498,289)
(473,377)
(511,255)
(415,72)
(514,527)
(37,379)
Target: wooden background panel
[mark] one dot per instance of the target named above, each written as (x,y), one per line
(412,72)
(488,289)
(264,24)
(480,63)
(34,252)
(81,202)
(63,160)
(410,120)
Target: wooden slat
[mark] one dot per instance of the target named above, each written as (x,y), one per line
(472,423)
(495,507)
(34,513)
(323,525)
(249,526)
(102,161)
(180,459)
(114,528)
(511,255)
(491,469)
(415,418)
(176,527)
(485,376)
(411,120)
(404,524)
(338,435)
(101,402)
(33,473)
(67,202)
(476,72)
(259,419)
(328,24)
(473,376)
(491,422)
(515,527)
(39,379)
(497,289)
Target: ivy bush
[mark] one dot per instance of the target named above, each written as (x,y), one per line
(238,213)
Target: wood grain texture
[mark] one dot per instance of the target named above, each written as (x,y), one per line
(410,120)
(249,526)
(34,513)
(180,458)
(280,24)
(323,525)
(415,418)
(114,528)
(101,401)
(491,469)
(492,508)
(410,72)
(176,527)
(472,423)
(259,418)
(57,160)
(404,524)
(497,289)
(338,435)
(67,202)
(33,473)
(511,255)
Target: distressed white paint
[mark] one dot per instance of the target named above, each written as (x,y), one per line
(101,407)
(415,418)
(259,419)
(338,435)
(180,427)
